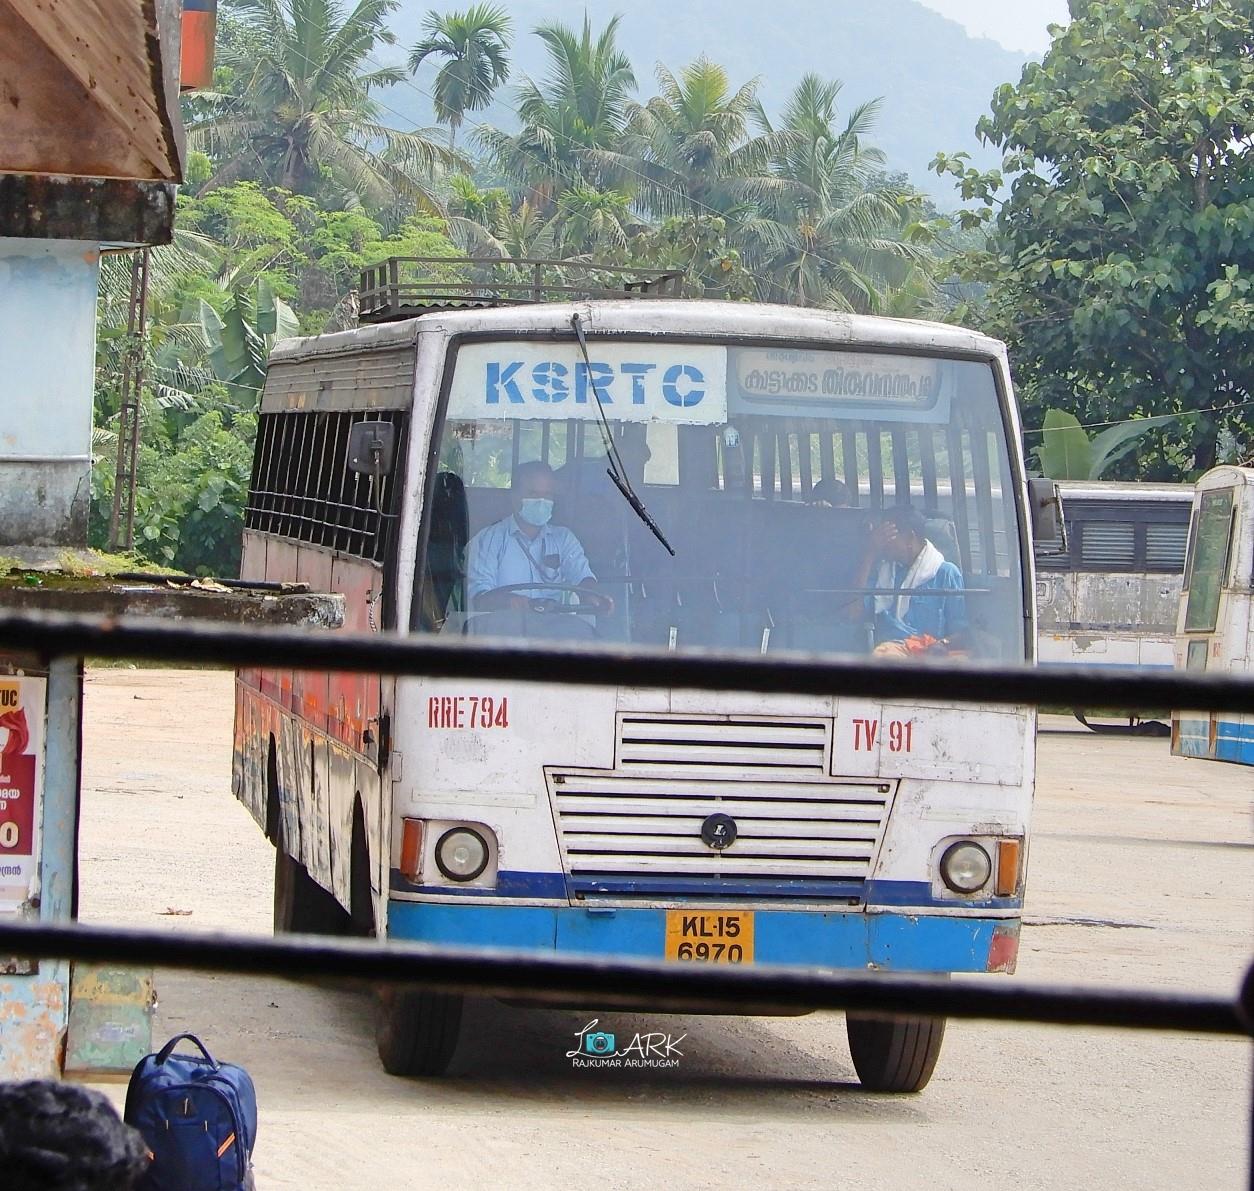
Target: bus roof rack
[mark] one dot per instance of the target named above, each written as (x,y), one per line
(408,286)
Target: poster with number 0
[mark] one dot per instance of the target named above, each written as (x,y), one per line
(22,704)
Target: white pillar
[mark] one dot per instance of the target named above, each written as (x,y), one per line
(47,365)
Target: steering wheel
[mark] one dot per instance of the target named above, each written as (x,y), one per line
(596,604)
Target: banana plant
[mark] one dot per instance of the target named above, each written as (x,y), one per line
(1068,453)
(240,338)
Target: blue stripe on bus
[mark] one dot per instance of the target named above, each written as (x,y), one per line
(919,893)
(553,887)
(850,939)
(1234,740)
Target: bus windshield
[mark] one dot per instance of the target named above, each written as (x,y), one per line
(845,502)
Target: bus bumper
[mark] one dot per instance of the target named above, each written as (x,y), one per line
(890,941)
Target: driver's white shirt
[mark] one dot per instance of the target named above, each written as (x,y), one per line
(502,555)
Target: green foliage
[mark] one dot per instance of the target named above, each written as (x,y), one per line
(191,510)
(190,499)
(198,171)
(1119,265)
(309,255)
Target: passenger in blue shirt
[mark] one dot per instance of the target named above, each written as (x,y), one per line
(899,556)
(526,547)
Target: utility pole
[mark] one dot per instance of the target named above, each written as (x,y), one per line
(122,518)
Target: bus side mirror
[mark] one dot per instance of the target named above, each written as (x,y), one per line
(1049,529)
(372,448)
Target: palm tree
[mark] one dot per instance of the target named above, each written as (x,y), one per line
(690,161)
(300,112)
(688,151)
(466,201)
(506,233)
(838,235)
(579,109)
(595,223)
(475,44)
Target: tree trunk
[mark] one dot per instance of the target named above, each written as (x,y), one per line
(293,169)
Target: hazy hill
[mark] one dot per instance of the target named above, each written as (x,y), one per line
(936,81)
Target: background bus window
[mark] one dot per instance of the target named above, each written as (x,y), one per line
(1212,537)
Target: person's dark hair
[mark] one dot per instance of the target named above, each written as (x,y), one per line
(533,467)
(907,519)
(62,1137)
(834,492)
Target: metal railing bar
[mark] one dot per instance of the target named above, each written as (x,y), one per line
(500,262)
(54,634)
(407,289)
(663,987)
(503,294)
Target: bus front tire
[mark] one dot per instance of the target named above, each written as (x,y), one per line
(416,1030)
(301,905)
(894,1054)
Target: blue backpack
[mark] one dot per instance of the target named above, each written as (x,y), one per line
(198,1117)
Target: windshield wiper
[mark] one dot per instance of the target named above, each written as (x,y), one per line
(616,471)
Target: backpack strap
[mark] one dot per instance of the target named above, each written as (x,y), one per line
(168,1049)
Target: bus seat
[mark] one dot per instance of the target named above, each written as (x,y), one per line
(940,532)
(488,506)
(450,531)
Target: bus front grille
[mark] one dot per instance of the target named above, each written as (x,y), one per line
(714,746)
(639,834)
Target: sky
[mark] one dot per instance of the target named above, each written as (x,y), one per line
(1016,24)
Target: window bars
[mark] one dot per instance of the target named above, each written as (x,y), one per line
(621,982)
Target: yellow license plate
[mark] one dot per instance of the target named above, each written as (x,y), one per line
(709,937)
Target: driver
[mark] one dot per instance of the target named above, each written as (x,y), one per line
(524,548)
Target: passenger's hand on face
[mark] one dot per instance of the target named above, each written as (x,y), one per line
(882,536)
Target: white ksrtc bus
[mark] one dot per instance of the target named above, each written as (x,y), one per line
(765,444)
(1112,597)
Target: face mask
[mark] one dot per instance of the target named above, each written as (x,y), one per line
(536,511)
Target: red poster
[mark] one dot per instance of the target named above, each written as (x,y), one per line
(17,808)
(21,744)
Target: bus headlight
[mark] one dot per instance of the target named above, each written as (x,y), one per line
(965,867)
(461,854)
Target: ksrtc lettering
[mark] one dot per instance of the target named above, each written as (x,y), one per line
(552,383)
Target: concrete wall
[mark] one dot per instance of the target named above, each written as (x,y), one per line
(47,361)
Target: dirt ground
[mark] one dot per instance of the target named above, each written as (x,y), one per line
(1141,872)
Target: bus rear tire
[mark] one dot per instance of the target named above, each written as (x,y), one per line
(301,905)
(416,1030)
(894,1054)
